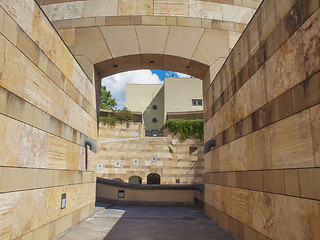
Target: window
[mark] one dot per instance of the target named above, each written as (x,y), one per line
(196,102)
(154,133)
(154,120)
(154,107)
(177,180)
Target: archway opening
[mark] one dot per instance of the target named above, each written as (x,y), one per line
(118,180)
(153,178)
(135,180)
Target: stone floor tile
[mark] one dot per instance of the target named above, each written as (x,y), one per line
(146,223)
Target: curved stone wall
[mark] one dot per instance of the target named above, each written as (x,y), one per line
(262,179)
(47,106)
(225,10)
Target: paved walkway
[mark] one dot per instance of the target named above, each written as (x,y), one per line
(146,223)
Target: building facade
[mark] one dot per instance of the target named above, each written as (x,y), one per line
(156,101)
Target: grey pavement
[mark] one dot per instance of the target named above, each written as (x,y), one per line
(147,223)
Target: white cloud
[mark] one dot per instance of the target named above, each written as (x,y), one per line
(182,75)
(117,83)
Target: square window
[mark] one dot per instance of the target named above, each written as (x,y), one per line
(117,164)
(135,161)
(196,102)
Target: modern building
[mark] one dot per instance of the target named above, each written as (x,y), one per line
(155,101)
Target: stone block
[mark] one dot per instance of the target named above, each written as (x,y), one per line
(176,44)
(100,21)
(83,22)
(283,8)
(238,154)
(90,42)
(225,157)
(121,20)
(296,218)
(2,14)
(233,38)
(9,140)
(306,94)
(172,21)
(285,105)
(41,233)
(236,14)
(310,183)
(127,45)
(97,8)
(201,9)
(68,36)
(10,181)
(269,47)
(294,19)
(206,23)
(171,8)
(152,39)
(39,178)
(285,68)
(140,7)
(6,212)
(249,233)
(245,126)
(291,142)
(33,147)
(253,180)
(242,200)
(263,213)
(315,129)
(65,23)
(189,22)
(10,29)
(207,54)
(28,47)
(291,178)
(258,150)
(309,7)
(274,181)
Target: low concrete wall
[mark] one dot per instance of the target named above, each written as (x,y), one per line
(167,195)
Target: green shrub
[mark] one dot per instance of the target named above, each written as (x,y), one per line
(187,128)
(121,116)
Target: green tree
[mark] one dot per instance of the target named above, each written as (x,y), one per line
(106,100)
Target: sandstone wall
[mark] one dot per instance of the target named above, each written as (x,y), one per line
(180,35)
(47,106)
(262,179)
(226,10)
(125,144)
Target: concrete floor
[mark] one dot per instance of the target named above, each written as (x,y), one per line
(146,223)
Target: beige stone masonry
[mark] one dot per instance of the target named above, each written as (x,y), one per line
(218,10)
(152,39)
(176,44)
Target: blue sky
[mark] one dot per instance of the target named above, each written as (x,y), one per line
(165,74)
(117,83)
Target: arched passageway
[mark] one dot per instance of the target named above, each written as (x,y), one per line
(153,178)
(117,179)
(135,180)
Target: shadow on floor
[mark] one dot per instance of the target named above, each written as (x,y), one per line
(146,223)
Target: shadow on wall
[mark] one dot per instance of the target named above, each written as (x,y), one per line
(157,112)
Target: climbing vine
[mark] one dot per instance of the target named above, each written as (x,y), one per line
(187,128)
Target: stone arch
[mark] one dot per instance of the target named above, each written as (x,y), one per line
(135,179)
(153,178)
(117,180)
(188,36)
